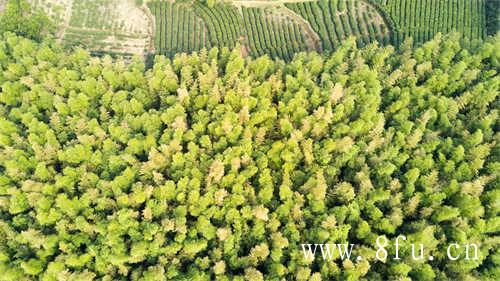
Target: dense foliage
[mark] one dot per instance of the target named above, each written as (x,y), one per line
(212,165)
(492,16)
(18,18)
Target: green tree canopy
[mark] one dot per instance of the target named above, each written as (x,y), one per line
(213,165)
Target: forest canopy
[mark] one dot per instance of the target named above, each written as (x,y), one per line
(212,165)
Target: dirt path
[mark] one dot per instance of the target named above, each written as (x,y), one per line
(66,19)
(151,27)
(312,38)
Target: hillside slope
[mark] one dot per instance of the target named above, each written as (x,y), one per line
(168,27)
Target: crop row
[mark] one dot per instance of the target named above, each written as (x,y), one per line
(276,38)
(336,20)
(223,23)
(177,28)
(422,19)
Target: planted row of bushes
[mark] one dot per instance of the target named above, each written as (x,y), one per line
(391,21)
(223,22)
(422,19)
(335,20)
(271,36)
(177,28)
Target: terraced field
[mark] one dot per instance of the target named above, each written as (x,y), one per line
(278,28)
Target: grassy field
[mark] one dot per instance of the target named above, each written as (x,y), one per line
(277,28)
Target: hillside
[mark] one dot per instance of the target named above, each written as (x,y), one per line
(278,28)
